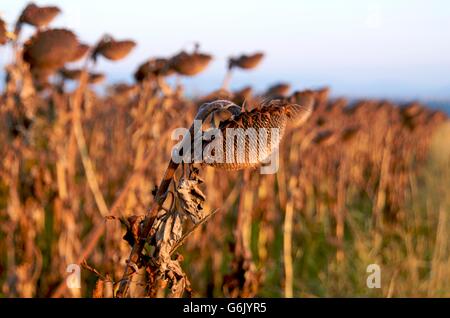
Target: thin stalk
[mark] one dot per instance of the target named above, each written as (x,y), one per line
(227,80)
(287,250)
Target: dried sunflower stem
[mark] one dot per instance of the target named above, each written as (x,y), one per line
(89,169)
(243,219)
(204,111)
(227,80)
(287,250)
(287,227)
(82,147)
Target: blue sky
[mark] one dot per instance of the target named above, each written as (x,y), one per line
(380,48)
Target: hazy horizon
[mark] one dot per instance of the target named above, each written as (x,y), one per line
(373,49)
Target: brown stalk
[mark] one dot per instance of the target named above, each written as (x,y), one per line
(287,250)
(82,147)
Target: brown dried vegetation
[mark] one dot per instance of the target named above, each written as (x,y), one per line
(88,179)
(38,17)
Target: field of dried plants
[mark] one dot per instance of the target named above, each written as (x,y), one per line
(87,179)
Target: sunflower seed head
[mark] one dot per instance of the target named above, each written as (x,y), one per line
(190,64)
(272,118)
(38,17)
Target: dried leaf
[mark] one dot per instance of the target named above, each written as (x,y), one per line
(133,225)
(178,279)
(169,233)
(191,198)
